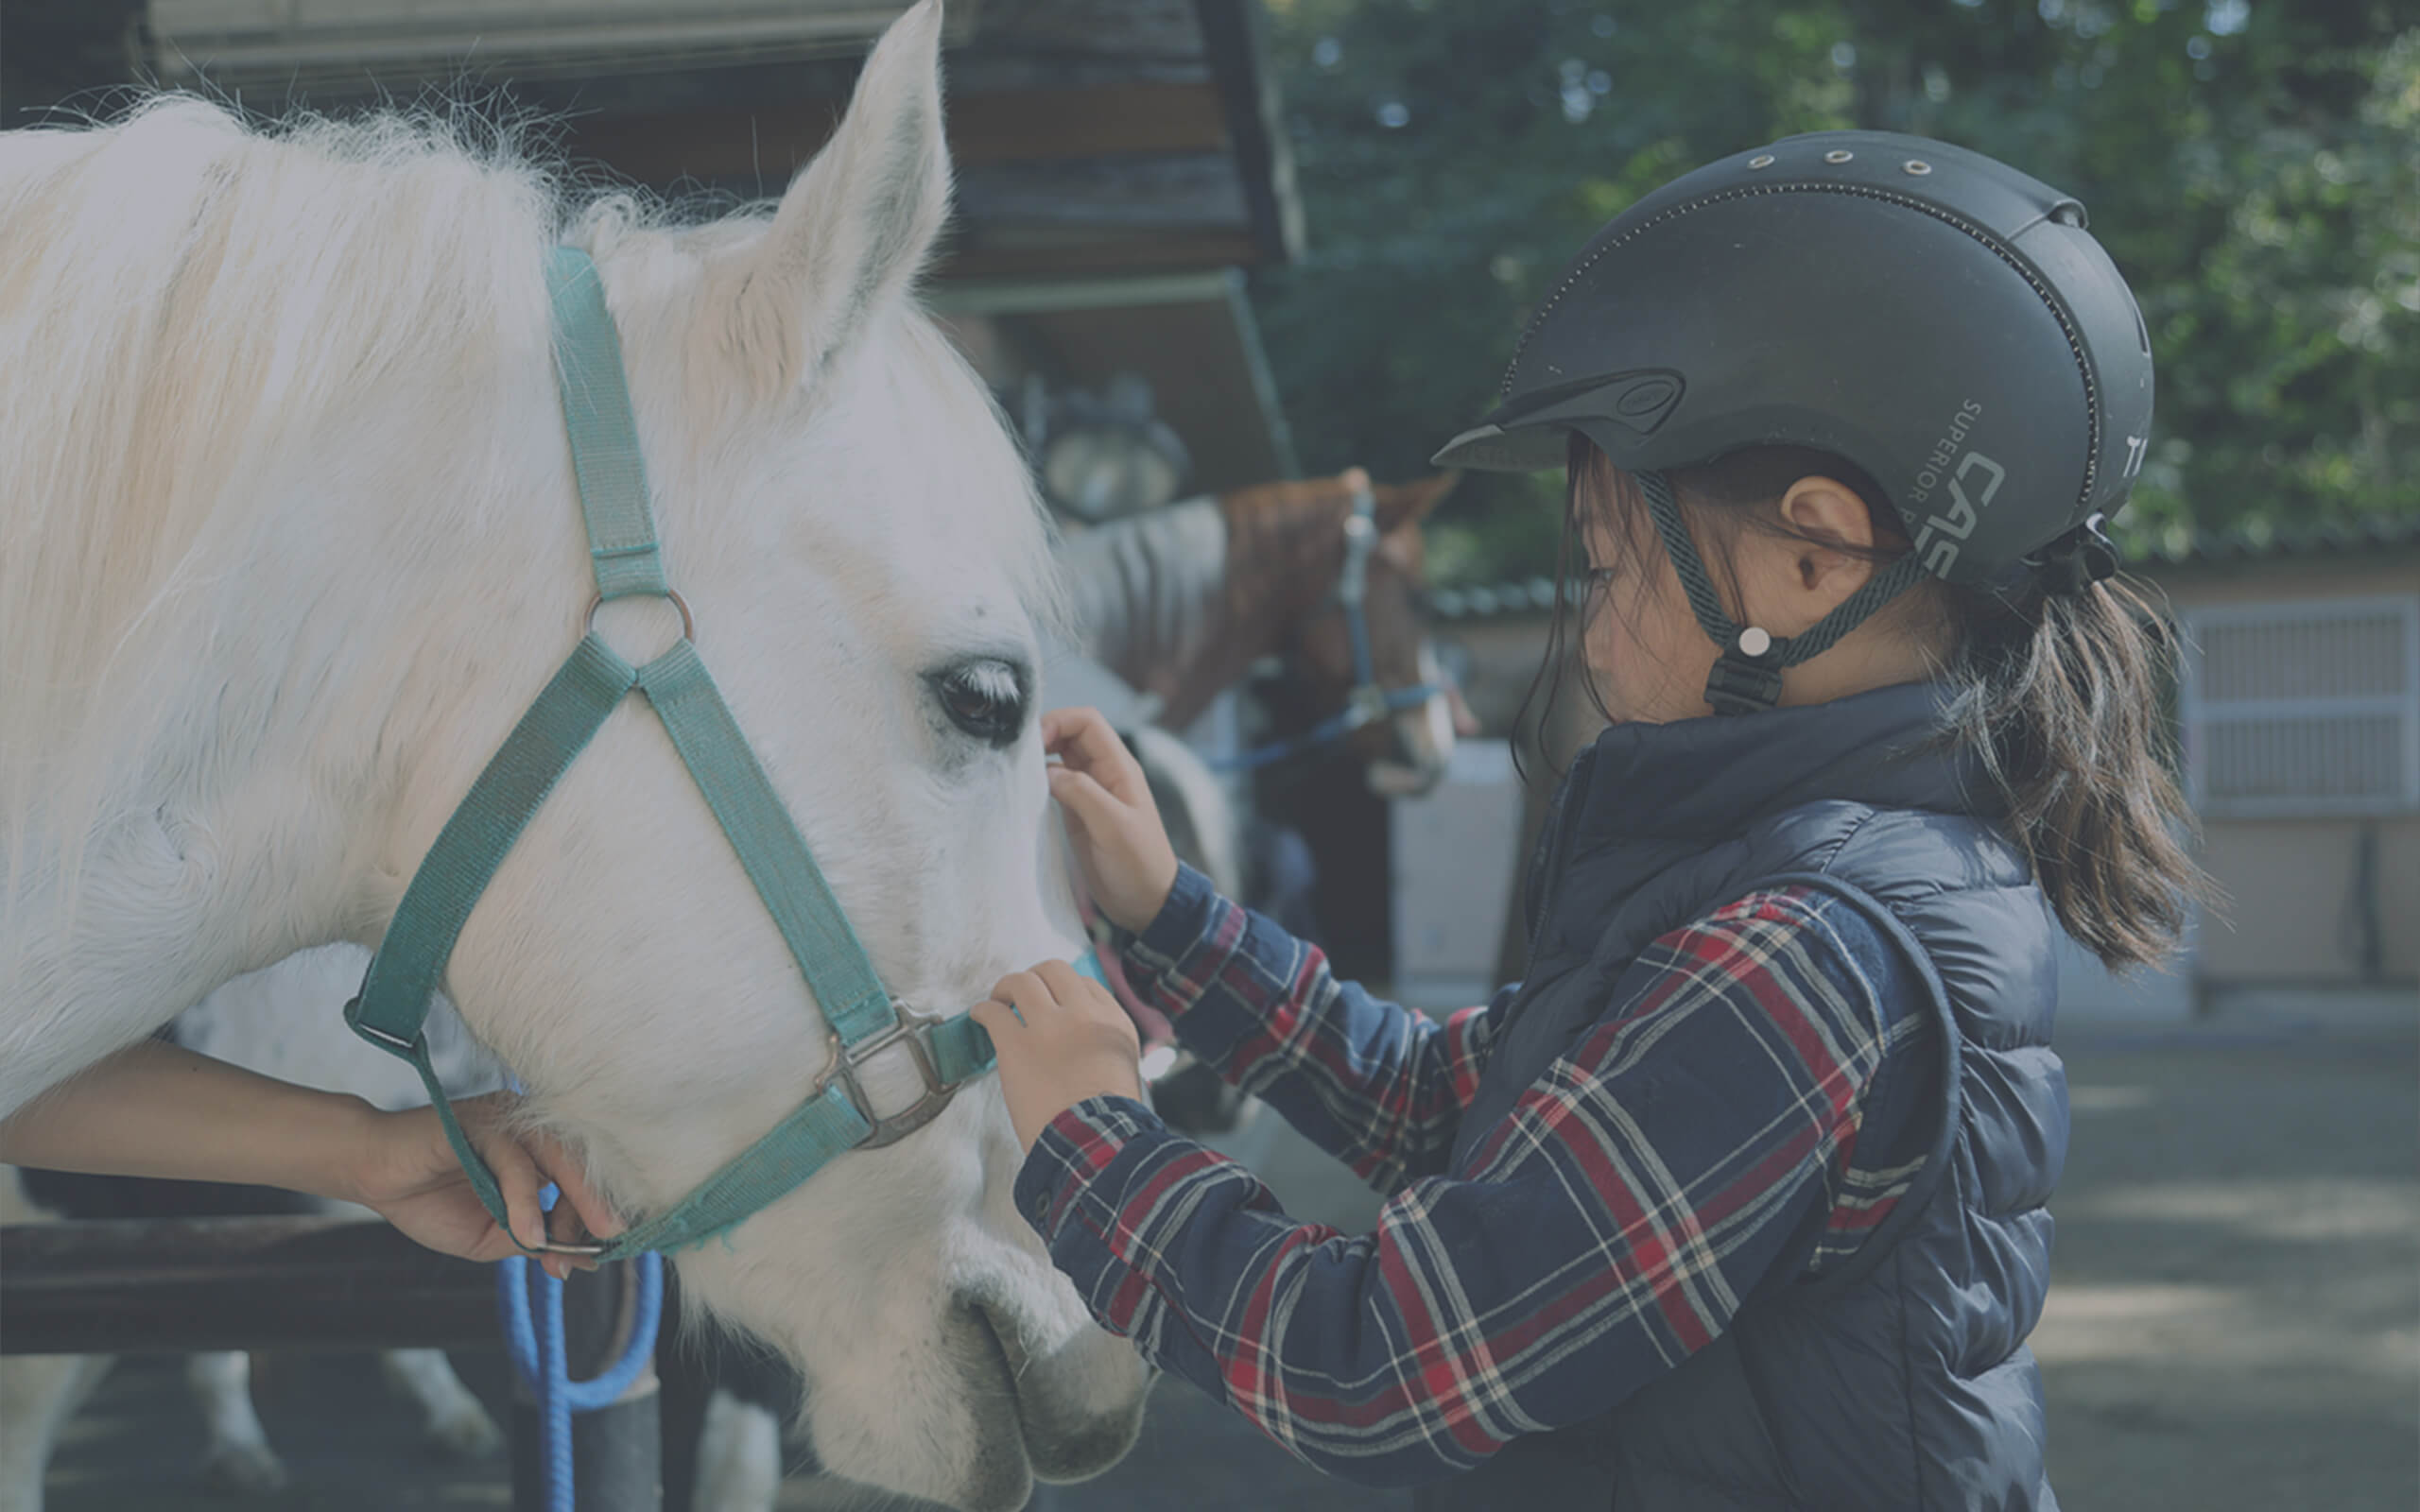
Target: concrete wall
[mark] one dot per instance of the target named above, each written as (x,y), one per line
(2295,910)
(2302,904)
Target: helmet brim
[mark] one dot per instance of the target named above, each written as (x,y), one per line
(1494,449)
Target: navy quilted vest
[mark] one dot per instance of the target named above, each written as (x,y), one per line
(1901,1379)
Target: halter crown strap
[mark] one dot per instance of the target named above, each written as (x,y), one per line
(604,438)
(1353,584)
(1365,702)
(392,1006)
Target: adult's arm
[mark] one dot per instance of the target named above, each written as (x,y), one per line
(156,1110)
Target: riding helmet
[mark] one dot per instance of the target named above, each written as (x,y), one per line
(1940,319)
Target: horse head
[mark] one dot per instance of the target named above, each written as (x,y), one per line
(324,364)
(1405,745)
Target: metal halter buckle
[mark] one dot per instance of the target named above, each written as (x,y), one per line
(908,1033)
(1366,705)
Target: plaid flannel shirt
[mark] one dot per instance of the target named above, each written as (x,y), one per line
(1606,1230)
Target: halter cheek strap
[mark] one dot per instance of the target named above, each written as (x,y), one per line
(1367,702)
(867,1023)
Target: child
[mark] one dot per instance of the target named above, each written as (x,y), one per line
(1738,1200)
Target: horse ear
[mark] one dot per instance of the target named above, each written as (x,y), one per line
(856,227)
(1403,504)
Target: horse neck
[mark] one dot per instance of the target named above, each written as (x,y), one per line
(317,704)
(1284,550)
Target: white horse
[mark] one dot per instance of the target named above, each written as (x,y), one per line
(291,540)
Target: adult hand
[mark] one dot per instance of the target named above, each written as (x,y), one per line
(1118,839)
(1060,1038)
(405,1170)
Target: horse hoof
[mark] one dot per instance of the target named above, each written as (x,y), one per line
(470,1434)
(252,1469)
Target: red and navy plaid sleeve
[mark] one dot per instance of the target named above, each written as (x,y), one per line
(1609,1227)
(1376,1084)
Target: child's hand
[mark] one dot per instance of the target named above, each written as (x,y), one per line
(1128,863)
(1060,1038)
(405,1169)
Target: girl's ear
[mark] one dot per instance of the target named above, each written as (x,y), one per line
(1834,516)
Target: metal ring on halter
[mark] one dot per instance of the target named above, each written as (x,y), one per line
(688,626)
(591,1250)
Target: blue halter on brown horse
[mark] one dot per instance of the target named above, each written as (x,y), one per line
(1323,573)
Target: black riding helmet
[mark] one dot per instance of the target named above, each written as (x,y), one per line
(1940,319)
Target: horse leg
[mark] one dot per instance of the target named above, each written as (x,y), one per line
(238,1458)
(37,1394)
(739,1456)
(452,1421)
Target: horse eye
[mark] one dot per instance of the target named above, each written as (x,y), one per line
(985,699)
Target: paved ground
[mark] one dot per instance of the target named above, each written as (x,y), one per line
(2235,1324)
(2235,1316)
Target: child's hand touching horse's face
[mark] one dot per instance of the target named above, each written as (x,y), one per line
(1060,1038)
(1115,827)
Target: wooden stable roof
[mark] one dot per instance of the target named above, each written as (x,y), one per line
(1119,162)
(1092,136)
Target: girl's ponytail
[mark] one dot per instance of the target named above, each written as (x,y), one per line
(2065,696)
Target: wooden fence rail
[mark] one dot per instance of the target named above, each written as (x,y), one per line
(188,1284)
(120,1286)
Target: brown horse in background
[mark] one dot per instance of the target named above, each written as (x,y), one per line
(1275,595)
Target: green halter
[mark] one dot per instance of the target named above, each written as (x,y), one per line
(865,1020)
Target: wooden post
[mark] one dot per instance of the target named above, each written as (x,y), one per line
(616,1450)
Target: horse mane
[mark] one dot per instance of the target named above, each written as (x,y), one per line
(164,324)
(184,295)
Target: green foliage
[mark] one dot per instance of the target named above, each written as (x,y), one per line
(2253,165)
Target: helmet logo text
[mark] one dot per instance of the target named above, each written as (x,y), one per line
(1939,539)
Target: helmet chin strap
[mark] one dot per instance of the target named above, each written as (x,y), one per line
(1747,676)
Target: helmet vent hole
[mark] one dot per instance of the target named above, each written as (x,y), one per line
(1917,166)
(1839,155)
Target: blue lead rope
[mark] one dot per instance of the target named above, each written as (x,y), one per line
(534,1338)
(1334,727)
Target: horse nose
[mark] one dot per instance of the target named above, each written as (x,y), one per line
(1419,749)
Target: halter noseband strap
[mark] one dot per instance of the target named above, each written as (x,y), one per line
(866,1022)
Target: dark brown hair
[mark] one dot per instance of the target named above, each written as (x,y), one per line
(2062,697)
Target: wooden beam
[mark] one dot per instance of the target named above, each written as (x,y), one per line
(769,145)
(1236,34)
(235,1283)
(1125,254)
(1191,191)
(1159,29)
